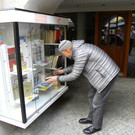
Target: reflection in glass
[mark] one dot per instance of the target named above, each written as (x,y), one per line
(112,31)
(39,58)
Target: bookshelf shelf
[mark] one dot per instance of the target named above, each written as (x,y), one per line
(28,99)
(52,44)
(50,68)
(24,72)
(41,65)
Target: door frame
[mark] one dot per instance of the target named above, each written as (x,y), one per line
(127,36)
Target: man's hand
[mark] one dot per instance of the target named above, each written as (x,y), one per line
(58,72)
(51,79)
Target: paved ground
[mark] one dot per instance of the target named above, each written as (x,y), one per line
(62,117)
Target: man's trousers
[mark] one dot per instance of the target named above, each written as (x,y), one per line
(96,103)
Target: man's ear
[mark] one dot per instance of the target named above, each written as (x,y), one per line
(68,49)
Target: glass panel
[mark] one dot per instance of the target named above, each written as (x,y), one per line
(112,31)
(9,92)
(39,58)
(51,35)
(26,32)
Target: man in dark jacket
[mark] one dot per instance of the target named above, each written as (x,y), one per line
(100,70)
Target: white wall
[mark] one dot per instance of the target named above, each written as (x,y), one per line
(14,3)
(46,6)
(0,4)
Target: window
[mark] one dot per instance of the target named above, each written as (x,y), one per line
(112,31)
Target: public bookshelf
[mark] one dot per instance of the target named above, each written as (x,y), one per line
(28,54)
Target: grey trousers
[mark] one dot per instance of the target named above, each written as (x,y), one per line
(96,103)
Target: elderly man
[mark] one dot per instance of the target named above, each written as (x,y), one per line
(100,70)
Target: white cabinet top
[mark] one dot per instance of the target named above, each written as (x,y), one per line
(15,15)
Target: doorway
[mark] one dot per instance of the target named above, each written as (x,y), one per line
(114,37)
(131,58)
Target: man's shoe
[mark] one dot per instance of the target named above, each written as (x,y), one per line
(90,130)
(85,121)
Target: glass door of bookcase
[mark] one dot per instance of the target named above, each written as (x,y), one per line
(9,92)
(25,64)
(39,57)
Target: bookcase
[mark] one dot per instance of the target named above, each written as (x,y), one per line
(28,54)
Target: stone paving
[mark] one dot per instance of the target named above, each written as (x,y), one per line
(62,117)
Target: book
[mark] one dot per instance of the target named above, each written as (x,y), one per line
(44,86)
(49,59)
(12,59)
(1,40)
(52,36)
(38,77)
(54,60)
(56,85)
(59,61)
(57,36)
(54,63)
(27,89)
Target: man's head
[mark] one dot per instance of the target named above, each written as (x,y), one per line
(65,47)
(132,27)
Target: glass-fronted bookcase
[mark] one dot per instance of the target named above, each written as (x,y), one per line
(28,54)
